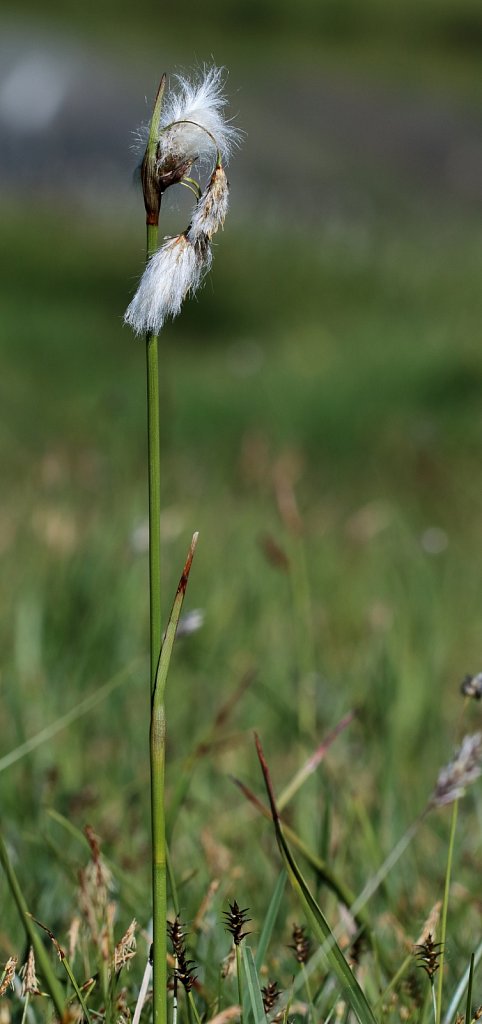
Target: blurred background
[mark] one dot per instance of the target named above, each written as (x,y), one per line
(321,418)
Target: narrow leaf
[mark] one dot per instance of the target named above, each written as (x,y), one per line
(255,997)
(270,919)
(329,947)
(170,635)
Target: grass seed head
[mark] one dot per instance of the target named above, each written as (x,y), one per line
(270,993)
(30,985)
(6,981)
(464,769)
(235,920)
(301,944)
(126,948)
(184,968)
(427,955)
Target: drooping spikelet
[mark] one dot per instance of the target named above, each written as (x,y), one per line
(212,207)
(184,968)
(174,270)
(464,769)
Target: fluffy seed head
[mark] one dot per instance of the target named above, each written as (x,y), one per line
(212,207)
(464,769)
(174,270)
(193,124)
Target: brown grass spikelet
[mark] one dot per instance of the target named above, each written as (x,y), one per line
(30,985)
(270,994)
(234,920)
(8,975)
(125,949)
(183,971)
(427,955)
(301,944)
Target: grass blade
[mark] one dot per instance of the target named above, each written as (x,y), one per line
(270,920)
(252,981)
(331,951)
(51,983)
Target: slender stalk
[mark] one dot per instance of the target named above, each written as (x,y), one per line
(443,931)
(192,1004)
(434,1001)
(240,983)
(159,896)
(157,760)
(154,461)
(152,202)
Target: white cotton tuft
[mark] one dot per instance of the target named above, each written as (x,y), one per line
(211,210)
(175,269)
(192,120)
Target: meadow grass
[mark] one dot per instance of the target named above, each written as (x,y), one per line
(356,379)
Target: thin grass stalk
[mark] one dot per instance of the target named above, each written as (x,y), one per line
(240,983)
(157,761)
(443,930)
(157,730)
(468,1005)
(25,1009)
(193,1008)
(52,984)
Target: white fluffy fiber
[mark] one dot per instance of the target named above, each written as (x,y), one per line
(211,210)
(176,268)
(201,101)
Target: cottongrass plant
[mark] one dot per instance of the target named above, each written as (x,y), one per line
(188,127)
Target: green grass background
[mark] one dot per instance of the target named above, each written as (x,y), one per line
(358,363)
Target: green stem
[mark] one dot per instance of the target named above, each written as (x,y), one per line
(51,982)
(159,896)
(443,931)
(192,1004)
(158,729)
(154,460)
(240,983)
